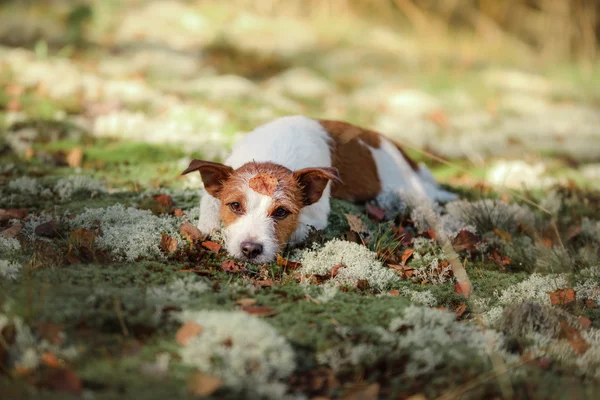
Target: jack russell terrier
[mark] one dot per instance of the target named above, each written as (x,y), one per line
(275,186)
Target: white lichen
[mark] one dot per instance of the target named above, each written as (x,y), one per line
(535,288)
(25,185)
(328,292)
(10,270)
(8,245)
(359,264)
(422,297)
(177,292)
(65,188)
(488,214)
(128,233)
(427,338)
(244,351)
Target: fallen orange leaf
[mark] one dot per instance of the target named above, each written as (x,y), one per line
(212,246)
(246,302)
(190,232)
(50,360)
(562,296)
(230,266)
(584,322)
(336,269)
(463,288)
(187,332)
(375,213)
(259,311)
(200,384)
(577,342)
(167,243)
(460,310)
(406,255)
(285,263)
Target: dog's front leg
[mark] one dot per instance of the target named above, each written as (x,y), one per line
(209,213)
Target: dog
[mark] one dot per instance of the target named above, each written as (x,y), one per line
(276,184)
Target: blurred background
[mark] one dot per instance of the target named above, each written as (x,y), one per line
(507,91)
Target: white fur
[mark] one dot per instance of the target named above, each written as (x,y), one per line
(254,226)
(295,142)
(299,142)
(397,176)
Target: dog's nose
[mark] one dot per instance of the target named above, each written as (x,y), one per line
(251,249)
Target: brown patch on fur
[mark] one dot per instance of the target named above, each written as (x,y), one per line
(286,227)
(230,194)
(213,174)
(269,179)
(354,161)
(313,181)
(264,183)
(344,132)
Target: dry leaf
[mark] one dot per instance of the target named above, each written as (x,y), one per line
(47,229)
(406,254)
(362,284)
(178,212)
(75,157)
(584,322)
(164,200)
(247,302)
(589,303)
(402,270)
(285,263)
(200,384)
(465,240)
(53,333)
(230,266)
(212,246)
(63,380)
(460,310)
(375,213)
(13,213)
(394,292)
(562,296)
(190,232)
(259,311)
(13,231)
(83,237)
(50,360)
(356,224)
(187,332)
(263,283)
(503,234)
(577,342)
(264,183)
(168,244)
(336,269)
(370,392)
(463,288)
(501,261)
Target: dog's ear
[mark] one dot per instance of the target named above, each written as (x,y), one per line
(313,181)
(213,174)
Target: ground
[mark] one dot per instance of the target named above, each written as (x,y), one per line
(108,291)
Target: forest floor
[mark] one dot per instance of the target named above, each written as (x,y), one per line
(107,291)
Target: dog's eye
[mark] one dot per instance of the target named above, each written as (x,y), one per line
(280,213)
(235,207)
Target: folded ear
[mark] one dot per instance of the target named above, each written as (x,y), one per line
(313,181)
(213,174)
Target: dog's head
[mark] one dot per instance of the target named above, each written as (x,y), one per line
(260,203)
